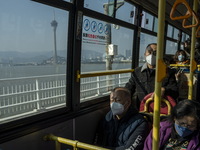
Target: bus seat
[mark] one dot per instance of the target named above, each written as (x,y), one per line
(147,104)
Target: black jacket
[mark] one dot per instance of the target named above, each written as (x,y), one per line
(142,82)
(127,133)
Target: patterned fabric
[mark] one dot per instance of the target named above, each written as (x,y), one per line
(176,145)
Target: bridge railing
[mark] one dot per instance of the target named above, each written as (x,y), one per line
(25,96)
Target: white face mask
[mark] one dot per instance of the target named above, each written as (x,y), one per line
(181,58)
(151,59)
(117,108)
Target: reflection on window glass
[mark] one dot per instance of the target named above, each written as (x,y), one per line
(105,46)
(33,58)
(169,31)
(155,28)
(176,33)
(147,21)
(101,6)
(145,39)
(171,47)
(125,11)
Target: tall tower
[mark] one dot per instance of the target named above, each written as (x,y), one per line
(54,24)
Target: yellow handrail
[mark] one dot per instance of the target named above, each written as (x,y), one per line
(94,74)
(75,144)
(187,15)
(147,103)
(183,65)
(179,65)
(195,23)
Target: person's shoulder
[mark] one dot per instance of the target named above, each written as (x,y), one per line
(165,124)
(139,118)
(138,69)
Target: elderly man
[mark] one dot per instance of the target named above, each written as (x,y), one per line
(123,127)
(142,80)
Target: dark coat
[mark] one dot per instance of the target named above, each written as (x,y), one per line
(127,133)
(142,82)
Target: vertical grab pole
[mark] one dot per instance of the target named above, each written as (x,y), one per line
(192,61)
(160,74)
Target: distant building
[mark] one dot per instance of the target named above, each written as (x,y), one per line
(60,60)
(128,53)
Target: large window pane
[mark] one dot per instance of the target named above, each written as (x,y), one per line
(171,47)
(33,58)
(104,47)
(145,39)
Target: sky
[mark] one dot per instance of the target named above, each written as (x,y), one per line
(28,27)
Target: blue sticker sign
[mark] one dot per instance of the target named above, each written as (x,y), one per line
(100,28)
(86,24)
(106,29)
(94,26)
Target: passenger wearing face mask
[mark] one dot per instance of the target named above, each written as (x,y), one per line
(142,80)
(180,57)
(123,127)
(181,130)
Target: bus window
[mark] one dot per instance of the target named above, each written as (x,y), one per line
(129,16)
(103,6)
(176,34)
(71,1)
(33,59)
(171,47)
(169,31)
(155,28)
(147,21)
(105,47)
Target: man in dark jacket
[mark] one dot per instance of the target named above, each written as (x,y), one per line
(142,80)
(123,127)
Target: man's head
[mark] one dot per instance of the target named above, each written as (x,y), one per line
(150,55)
(120,100)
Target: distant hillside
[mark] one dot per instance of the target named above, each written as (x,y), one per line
(26,57)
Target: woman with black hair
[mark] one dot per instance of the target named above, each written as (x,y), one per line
(181,57)
(181,130)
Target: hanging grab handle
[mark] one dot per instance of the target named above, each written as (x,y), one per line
(192,25)
(187,15)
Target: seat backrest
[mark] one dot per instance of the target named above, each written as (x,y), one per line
(147,104)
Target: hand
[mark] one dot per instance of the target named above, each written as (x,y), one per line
(162,93)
